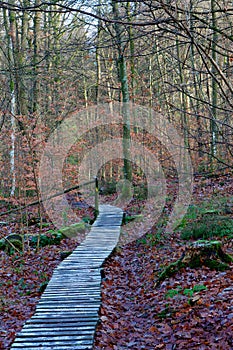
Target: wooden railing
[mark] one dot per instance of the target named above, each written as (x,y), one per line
(95,181)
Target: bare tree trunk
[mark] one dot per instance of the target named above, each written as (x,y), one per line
(97,58)
(125,95)
(36,31)
(214,92)
(9,34)
(132,52)
(182,96)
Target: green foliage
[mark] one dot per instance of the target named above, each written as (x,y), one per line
(152,239)
(87,220)
(72,159)
(172,292)
(157,236)
(108,188)
(197,288)
(14,242)
(166,312)
(11,243)
(140,192)
(208,227)
(49,239)
(129,218)
(216,265)
(43,224)
(2,244)
(207,220)
(189,292)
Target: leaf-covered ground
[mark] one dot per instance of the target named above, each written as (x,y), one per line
(191,310)
(137,315)
(22,279)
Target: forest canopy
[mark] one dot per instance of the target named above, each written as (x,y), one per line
(175,57)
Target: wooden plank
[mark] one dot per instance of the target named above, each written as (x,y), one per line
(66,333)
(52,319)
(69,298)
(66,321)
(49,344)
(54,347)
(66,346)
(52,325)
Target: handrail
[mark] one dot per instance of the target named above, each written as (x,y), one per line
(59,194)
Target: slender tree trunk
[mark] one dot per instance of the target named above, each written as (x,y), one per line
(9,35)
(182,96)
(196,86)
(132,53)
(214,91)
(36,31)
(97,58)
(125,96)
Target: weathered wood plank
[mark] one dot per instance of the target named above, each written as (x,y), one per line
(62,346)
(43,344)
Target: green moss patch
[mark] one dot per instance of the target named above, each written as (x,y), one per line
(208,226)
(198,254)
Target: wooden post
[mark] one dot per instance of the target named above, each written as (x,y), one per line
(96,196)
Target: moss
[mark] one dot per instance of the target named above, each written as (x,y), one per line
(200,253)
(170,270)
(73,230)
(2,244)
(70,231)
(227,258)
(216,265)
(128,218)
(207,226)
(12,243)
(195,262)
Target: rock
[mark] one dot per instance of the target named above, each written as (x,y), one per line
(73,230)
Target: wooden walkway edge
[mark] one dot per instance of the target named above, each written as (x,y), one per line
(67,313)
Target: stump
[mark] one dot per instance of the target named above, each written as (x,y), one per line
(199,253)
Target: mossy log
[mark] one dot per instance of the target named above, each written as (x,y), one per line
(12,242)
(199,253)
(15,242)
(74,229)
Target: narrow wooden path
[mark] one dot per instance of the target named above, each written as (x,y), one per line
(67,313)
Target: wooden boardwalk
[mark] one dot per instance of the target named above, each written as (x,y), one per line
(67,313)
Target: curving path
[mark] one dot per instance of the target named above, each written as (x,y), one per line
(67,313)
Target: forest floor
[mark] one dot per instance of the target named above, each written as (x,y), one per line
(192,309)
